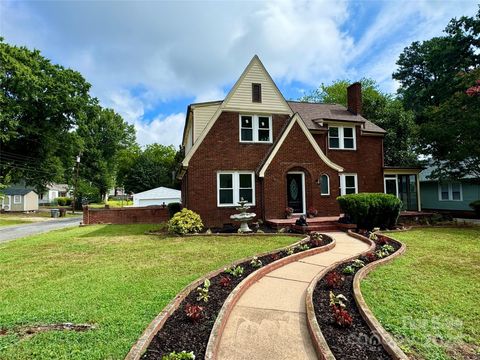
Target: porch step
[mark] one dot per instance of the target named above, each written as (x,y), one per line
(320,227)
(316,221)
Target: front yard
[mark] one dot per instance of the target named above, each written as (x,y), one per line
(429,297)
(114,277)
(8,221)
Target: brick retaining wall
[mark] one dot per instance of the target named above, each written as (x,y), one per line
(126,215)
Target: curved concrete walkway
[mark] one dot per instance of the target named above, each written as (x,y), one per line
(269,321)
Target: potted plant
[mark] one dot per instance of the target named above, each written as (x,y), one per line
(288,212)
(312,212)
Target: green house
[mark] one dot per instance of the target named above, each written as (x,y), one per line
(451,195)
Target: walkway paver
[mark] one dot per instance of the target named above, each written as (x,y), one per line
(269,319)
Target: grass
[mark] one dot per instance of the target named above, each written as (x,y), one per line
(112,203)
(429,297)
(6,222)
(112,276)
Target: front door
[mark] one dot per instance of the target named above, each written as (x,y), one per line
(295,192)
(407,191)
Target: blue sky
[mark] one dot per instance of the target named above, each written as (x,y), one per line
(149,59)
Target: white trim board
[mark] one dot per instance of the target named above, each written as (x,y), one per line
(297,119)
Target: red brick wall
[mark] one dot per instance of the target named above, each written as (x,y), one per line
(130,215)
(221,150)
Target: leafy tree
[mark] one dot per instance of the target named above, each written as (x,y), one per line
(39,104)
(383,110)
(154,167)
(434,77)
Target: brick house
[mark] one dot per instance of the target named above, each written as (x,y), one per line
(277,154)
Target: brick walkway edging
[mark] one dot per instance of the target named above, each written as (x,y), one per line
(142,343)
(232,299)
(319,342)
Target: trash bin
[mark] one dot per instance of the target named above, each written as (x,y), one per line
(54,213)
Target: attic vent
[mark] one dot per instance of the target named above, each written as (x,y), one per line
(257,93)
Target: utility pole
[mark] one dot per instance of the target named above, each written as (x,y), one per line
(77,165)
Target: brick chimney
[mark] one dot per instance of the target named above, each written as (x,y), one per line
(354,98)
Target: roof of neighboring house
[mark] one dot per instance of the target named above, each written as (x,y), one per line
(424,175)
(313,114)
(17,191)
(58,187)
(159,193)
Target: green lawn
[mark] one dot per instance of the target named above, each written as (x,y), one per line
(6,222)
(429,298)
(111,203)
(112,276)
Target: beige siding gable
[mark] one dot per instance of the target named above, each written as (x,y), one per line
(201,116)
(240,98)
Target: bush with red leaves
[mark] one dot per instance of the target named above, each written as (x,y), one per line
(194,312)
(275,257)
(341,316)
(370,256)
(333,279)
(381,240)
(225,281)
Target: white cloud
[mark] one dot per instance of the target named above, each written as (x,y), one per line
(164,130)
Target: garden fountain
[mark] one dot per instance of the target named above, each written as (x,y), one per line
(243,217)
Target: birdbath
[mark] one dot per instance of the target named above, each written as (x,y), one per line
(243,217)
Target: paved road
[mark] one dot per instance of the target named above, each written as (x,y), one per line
(8,233)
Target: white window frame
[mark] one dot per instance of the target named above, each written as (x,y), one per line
(236,187)
(15,199)
(255,128)
(390,177)
(341,138)
(343,182)
(450,191)
(328,185)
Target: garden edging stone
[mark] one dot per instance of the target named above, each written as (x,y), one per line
(233,298)
(318,340)
(153,328)
(386,339)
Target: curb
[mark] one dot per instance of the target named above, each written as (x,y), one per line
(385,338)
(318,340)
(137,350)
(232,299)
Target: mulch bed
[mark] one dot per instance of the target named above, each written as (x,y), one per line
(181,333)
(354,342)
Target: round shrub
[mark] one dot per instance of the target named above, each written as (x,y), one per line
(370,210)
(185,222)
(475,205)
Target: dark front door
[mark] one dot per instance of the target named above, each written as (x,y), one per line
(295,192)
(407,191)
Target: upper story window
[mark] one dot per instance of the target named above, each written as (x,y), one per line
(257,93)
(348,184)
(450,191)
(341,137)
(232,186)
(255,128)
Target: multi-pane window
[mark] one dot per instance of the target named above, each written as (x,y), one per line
(341,137)
(257,93)
(255,128)
(324,185)
(450,191)
(348,184)
(235,186)
(17,199)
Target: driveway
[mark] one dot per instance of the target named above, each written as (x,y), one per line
(18,231)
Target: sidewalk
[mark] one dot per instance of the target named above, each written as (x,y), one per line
(269,320)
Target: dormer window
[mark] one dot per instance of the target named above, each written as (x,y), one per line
(257,93)
(256,128)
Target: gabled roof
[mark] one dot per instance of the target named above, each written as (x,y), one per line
(17,191)
(225,105)
(295,119)
(314,114)
(160,192)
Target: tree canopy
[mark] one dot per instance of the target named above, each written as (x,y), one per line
(437,81)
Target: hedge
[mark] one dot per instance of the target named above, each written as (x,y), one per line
(369,210)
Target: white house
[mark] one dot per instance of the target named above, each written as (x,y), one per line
(157,196)
(54,191)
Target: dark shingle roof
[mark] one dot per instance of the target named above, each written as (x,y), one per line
(314,113)
(17,191)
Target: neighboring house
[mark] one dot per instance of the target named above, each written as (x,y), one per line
(19,199)
(54,191)
(276,153)
(450,196)
(157,196)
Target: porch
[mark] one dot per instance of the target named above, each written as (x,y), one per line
(319,223)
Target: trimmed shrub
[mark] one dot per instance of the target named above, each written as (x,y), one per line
(185,222)
(63,201)
(370,210)
(475,205)
(174,208)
